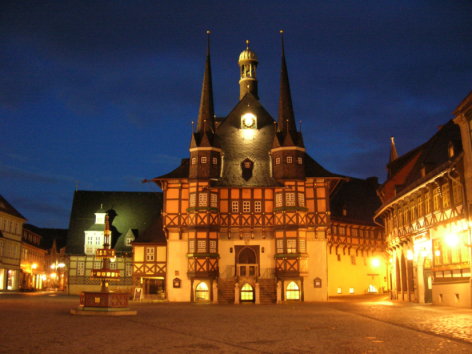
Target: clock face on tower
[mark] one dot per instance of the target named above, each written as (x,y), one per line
(248,121)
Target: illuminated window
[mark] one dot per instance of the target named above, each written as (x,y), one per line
(235,206)
(246,206)
(247,164)
(300,160)
(290,199)
(280,245)
(80,268)
(293,291)
(302,245)
(212,246)
(203,159)
(150,254)
(301,199)
(97,264)
(247,293)
(257,206)
(214,200)
(457,193)
(201,292)
(202,199)
(201,246)
(192,200)
(445,196)
(427,203)
(436,199)
(191,246)
(113,265)
(129,269)
(278,200)
(291,246)
(277,160)
(214,160)
(194,160)
(289,159)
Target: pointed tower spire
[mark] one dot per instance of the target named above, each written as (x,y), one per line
(286,121)
(393,150)
(206,111)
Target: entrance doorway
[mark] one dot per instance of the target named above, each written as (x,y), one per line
(202,292)
(247,293)
(154,288)
(427,281)
(247,262)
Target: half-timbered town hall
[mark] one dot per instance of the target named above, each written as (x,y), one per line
(248,216)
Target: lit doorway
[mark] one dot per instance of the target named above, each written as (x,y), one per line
(202,293)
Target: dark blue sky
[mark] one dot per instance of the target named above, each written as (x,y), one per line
(101,94)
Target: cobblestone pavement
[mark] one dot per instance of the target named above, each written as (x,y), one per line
(42,324)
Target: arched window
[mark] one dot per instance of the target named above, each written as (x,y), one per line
(293,291)
(201,292)
(247,293)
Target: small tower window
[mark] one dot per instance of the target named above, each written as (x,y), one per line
(194,160)
(277,160)
(289,159)
(203,159)
(300,160)
(215,161)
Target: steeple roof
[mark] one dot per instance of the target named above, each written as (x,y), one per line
(286,120)
(206,112)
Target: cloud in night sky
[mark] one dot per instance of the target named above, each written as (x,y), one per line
(102,93)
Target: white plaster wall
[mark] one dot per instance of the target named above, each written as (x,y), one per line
(177,261)
(445,294)
(317,268)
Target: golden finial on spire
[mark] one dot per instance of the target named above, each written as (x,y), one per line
(247,43)
(208,32)
(282,39)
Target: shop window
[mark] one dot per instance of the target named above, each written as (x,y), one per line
(201,292)
(293,291)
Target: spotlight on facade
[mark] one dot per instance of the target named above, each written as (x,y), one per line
(375,262)
(451,239)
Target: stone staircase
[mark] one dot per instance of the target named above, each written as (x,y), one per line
(225,291)
(268,289)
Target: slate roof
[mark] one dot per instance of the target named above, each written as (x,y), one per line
(432,156)
(6,207)
(127,210)
(358,197)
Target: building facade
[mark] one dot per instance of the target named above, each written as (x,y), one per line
(426,222)
(11,228)
(34,272)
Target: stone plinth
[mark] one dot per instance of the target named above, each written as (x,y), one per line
(103,303)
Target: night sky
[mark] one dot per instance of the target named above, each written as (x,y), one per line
(98,95)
